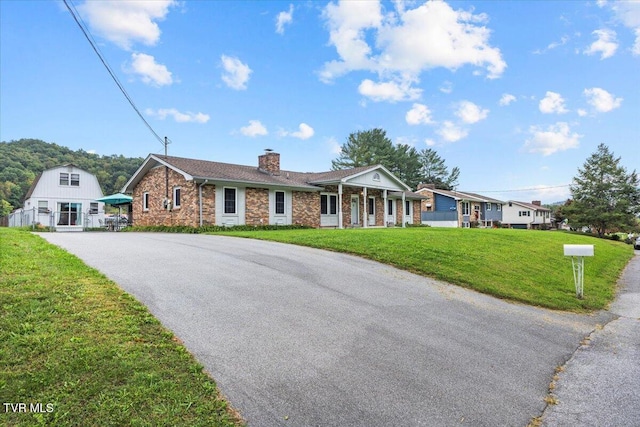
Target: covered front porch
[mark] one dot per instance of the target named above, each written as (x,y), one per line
(373,198)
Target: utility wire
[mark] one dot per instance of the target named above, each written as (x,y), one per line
(87,34)
(519,190)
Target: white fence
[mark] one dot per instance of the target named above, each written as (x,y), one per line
(59,220)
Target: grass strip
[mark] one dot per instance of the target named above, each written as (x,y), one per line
(526,266)
(75,349)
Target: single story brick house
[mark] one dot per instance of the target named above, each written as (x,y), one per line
(171,190)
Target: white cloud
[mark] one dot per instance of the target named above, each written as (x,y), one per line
(283,19)
(552,103)
(388,91)
(255,128)
(419,115)
(553,45)
(446,87)
(304,132)
(126,22)
(555,138)
(236,74)
(451,133)
(334,146)
(150,71)
(628,12)
(606,44)
(429,142)
(601,100)
(179,117)
(506,99)
(582,112)
(470,113)
(404,42)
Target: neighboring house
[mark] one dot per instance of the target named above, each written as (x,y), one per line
(63,198)
(526,215)
(171,190)
(443,208)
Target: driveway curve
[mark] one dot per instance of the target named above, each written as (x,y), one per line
(302,337)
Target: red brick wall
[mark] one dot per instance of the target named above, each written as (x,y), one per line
(257,206)
(306,208)
(154,183)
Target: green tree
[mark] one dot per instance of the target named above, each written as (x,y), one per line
(372,147)
(22,160)
(365,148)
(605,197)
(435,172)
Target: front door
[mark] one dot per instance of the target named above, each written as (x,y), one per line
(355,210)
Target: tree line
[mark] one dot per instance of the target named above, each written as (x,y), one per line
(413,167)
(22,160)
(605,197)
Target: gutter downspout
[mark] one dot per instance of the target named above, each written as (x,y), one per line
(200,198)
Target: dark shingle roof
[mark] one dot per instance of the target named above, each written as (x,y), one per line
(205,169)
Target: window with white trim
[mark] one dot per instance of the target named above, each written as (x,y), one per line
(64,178)
(328,204)
(43,206)
(407,207)
(69,213)
(93,208)
(145,201)
(390,207)
(176,197)
(488,206)
(499,207)
(279,203)
(372,206)
(75,179)
(465,208)
(230,197)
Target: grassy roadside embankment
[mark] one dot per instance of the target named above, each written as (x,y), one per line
(77,350)
(518,265)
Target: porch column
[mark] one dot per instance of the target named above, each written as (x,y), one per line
(365,208)
(404,207)
(340,206)
(386,207)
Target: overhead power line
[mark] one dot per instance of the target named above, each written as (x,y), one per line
(87,34)
(520,189)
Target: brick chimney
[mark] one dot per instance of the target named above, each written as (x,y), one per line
(429,186)
(536,202)
(269,162)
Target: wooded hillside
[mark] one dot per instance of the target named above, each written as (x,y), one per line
(21,161)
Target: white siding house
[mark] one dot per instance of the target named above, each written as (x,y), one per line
(526,215)
(64,198)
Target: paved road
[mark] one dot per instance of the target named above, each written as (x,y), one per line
(600,385)
(302,337)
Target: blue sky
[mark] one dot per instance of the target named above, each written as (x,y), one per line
(516,94)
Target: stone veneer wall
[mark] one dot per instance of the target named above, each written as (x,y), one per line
(189,211)
(257,206)
(306,208)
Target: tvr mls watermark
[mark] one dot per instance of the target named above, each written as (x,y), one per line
(29,408)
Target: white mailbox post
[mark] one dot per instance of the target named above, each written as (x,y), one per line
(577,254)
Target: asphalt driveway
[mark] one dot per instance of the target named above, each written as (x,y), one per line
(302,337)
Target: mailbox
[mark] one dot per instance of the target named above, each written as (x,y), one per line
(578,250)
(577,254)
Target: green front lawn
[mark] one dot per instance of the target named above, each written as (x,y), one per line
(519,265)
(75,350)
